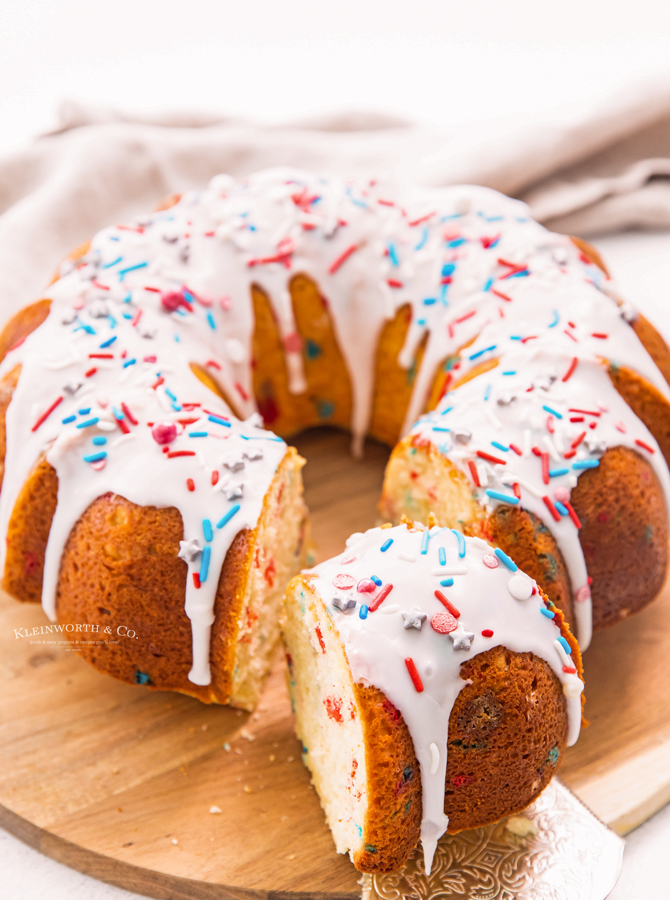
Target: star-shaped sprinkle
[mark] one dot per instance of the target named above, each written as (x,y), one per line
(414,619)
(253,453)
(72,386)
(234,490)
(98,309)
(189,550)
(461,639)
(461,435)
(233,461)
(255,420)
(344,603)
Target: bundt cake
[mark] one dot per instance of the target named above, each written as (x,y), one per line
(140,494)
(435,688)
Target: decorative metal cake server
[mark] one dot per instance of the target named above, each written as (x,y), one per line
(555,850)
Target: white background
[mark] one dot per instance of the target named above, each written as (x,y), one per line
(444,63)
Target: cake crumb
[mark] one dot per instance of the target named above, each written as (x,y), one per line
(215,810)
(247,735)
(291,856)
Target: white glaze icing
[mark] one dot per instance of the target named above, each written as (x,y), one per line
(378,645)
(371,249)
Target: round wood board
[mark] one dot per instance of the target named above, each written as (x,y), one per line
(118,781)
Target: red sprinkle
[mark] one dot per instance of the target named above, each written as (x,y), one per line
(448,604)
(215,477)
(552,509)
(344,581)
(443,623)
(577,418)
(569,454)
(190,484)
(487,633)
(122,425)
(131,417)
(571,335)
(414,675)
(158,383)
(516,490)
(173,453)
(545,467)
(644,446)
(342,258)
(516,449)
(101,356)
(474,473)
(597,334)
(319,635)
(422,219)
(577,441)
(196,580)
(91,372)
(536,451)
(213,364)
(570,670)
(494,459)
(45,415)
(585,412)
(571,369)
(381,596)
(550,424)
(394,283)
(240,390)
(501,295)
(136,318)
(573,515)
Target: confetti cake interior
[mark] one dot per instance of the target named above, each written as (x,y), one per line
(140,486)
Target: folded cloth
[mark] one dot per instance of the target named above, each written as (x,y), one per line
(590,168)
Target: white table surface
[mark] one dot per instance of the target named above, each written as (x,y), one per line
(641,264)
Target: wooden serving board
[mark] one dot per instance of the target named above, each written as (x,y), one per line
(118,781)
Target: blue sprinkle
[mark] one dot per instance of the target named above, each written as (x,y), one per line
(443,294)
(85,411)
(429,301)
(547,612)
(487,392)
(506,498)
(555,473)
(198,434)
(68,419)
(553,412)
(515,337)
(421,322)
(442,556)
(556,320)
(424,542)
(521,274)
(482,352)
(559,506)
(363,612)
(140,677)
(456,242)
(127,315)
(107,343)
(207,530)
(218,421)
(494,244)
(212,323)
(129,362)
(114,237)
(461,542)
(448,269)
(423,239)
(204,563)
(176,407)
(511,372)
(86,328)
(312,349)
(393,255)
(228,516)
(564,644)
(489,284)
(95,457)
(438,428)
(500,446)
(447,582)
(504,558)
(170,394)
(586,464)
(93,421)
(113,263)
(376,580)
(99,440)
(384,547)
(177,338)
(112,321)
(447,410)
(118,413)
(124,272)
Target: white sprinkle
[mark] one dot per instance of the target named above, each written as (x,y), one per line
(434,758)
(175,841)
(549,444)
(451,570)
(123,439)
(563,656)
(407,557)
(103,425)
(573,687)
(482,474)
(492,417)
(527,440)
(389,610)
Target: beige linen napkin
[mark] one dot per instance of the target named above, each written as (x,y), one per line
(590,168)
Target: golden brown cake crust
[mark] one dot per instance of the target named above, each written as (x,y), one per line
(624,534)
(22,324)
(647,402)
(511,719)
